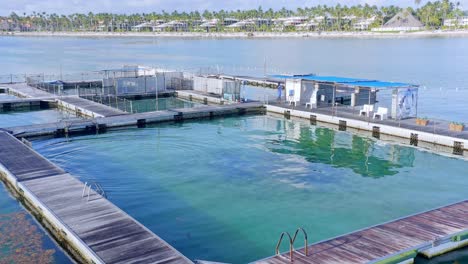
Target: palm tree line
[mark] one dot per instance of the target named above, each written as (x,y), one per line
(432,14)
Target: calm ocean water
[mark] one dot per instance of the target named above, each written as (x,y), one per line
(224,189)
(440,64)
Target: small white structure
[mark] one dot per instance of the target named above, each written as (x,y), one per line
(226,89)
(403,21)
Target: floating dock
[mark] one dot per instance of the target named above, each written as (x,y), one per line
(431,233)
(406,129)
(23,90)
(100,125)
(92,228)
(27,103)
(83,107)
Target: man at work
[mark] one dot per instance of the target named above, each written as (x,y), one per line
(280,90)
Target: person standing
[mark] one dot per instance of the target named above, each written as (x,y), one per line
(280,88)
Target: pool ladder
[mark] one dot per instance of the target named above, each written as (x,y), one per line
(291,242)
(96,187)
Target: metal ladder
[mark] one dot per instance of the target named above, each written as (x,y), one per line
(291,242)
(97,188)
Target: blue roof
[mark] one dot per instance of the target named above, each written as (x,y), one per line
(334,79)
(353,82)
(379,84)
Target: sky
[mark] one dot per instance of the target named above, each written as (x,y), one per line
(148,6)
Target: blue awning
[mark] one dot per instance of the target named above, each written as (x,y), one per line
(350,82)
(334,79)
(379,84)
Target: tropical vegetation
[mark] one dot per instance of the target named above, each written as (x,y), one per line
(432,14)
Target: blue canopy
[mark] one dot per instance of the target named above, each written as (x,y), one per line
(351,82)
(379,84)
(334,79)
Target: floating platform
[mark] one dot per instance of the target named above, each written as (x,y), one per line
(84,107)
(23,90)
(431,233)
(27,103)
(92,228)
(100,125)
(405,129)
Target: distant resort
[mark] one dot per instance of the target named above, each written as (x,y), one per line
(440,15)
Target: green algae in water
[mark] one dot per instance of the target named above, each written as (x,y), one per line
(147,105)
(224,189)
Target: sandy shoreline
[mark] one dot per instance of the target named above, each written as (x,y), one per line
(459,33)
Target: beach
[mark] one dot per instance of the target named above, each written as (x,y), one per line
(329,34)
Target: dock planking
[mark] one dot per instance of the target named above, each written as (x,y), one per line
(111,234)
(139,119)
(26,91)
(90,106)
(383,242)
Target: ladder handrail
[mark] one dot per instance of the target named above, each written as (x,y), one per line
(305,238)
(291,248)
(98,189)
(291,242)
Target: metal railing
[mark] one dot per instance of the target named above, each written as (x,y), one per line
(96,187)
(112,101)
(291,242)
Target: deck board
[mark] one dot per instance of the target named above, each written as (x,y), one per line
(110,233)
(381,241)
(94,107)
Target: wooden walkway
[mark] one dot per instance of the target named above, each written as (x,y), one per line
(26,91)
(95,125)
(89,106)
(109,233)
(391,242)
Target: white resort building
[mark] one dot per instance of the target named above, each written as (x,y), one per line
(364,23)
(456,22)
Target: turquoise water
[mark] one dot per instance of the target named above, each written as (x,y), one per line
(147,105)
(440,64)
(22,240)
(7,97)
(21,118)
(224,189)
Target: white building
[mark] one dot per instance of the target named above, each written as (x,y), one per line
(172,26)
(209,24)
(364,23)
(456,22)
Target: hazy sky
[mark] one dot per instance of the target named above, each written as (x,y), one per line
(147,6)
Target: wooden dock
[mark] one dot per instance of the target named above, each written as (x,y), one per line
(25,91)
(430,233)
(96,230)
(26,103)
(87,107)
(100,125)
(404,131)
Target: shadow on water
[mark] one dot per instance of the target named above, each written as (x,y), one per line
(327,146)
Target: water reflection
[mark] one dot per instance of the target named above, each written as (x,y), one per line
(364,156)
